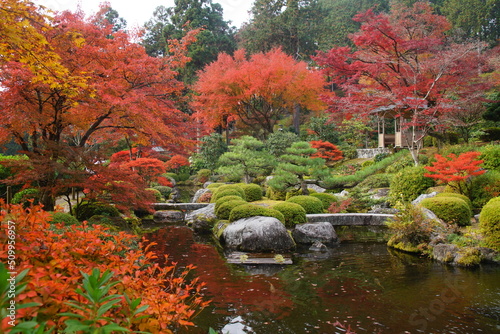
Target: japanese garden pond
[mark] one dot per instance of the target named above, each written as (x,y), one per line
(365,285)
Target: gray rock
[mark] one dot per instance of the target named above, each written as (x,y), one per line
(198,194)
(258,234)
(379,193)
(206,184)
(445,252)
(309,233)
(317,188)
(318,246)
(202,220)
(422,197)
(168,216)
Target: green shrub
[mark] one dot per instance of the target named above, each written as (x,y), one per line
(224,210)
(215,185)
(408,184)
(491,134)
(381,156)
(483,188)
(24,196)
(463,197)
(326,199)
(293,213)
(164,191)
(85,210)
(251,210)
(203,175)
(63,217)
(228,192)
(309,203)
(367,163)
(411,229)
(491,156)
(275,195)
(376,181)
(156,193)
(253,192)
(225,199)
(449,209)
(232,187)
(489,223)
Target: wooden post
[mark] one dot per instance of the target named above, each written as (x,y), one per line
(9,194)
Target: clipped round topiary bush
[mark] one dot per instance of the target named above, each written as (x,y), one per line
(224,209)
(293,213)
(491,156)
(164,191)
(489,223)
(215,185)
(408,184)
(63,217)
(224,193)
(85,210)
(24,196)
(449,209)
(326,199)
(252,210)
(253,192)
(463,197)
(225,199)
(235,187)
(309,203)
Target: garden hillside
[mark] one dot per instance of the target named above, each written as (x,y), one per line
(398,113)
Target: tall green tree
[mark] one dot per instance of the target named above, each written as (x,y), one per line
(338,23)
(474,18)
(291,25)
(174,22)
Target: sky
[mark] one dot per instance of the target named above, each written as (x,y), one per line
(137,12)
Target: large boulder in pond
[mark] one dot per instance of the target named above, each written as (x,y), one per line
(258,234)
(168,216)
(310,233)
(202,220)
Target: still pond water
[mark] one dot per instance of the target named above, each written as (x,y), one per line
(363,285)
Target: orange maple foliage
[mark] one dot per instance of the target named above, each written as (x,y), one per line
(55,255)
(176,162)
(326,150)
(127,95)
(256,92)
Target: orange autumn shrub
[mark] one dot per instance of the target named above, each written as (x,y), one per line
(56,255)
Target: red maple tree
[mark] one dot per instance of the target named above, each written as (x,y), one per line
(454,170)
(403,62)
(127,94)
(326,150)
(176,162)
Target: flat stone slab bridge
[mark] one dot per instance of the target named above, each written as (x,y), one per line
(336,219)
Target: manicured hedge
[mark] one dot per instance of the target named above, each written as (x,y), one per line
(164,190)
(224,209)
(253,192)
(309,203)
(463,197)
(489,223)
(23,196)
(326,199)
(225,199)
(483,188)
(449,209)
(228,192)
(251,210)
(293,213)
